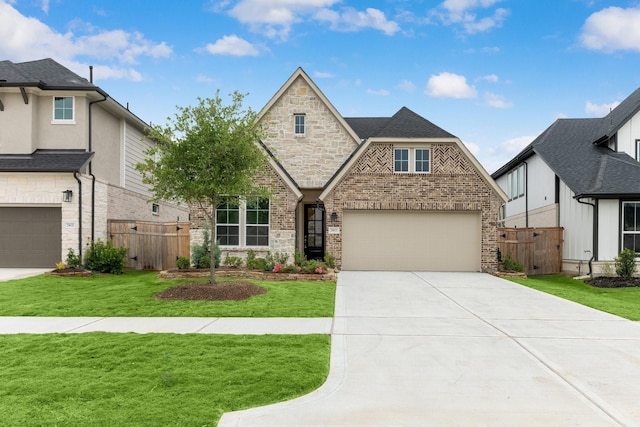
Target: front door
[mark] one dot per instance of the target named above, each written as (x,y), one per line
(314,231)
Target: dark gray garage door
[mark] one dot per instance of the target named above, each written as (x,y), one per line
(30,237)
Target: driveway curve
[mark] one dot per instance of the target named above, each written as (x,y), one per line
(465,349)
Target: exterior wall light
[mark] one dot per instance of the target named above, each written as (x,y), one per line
(67,195)
(334,217)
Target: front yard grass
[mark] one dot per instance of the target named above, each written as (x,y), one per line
(130,294)
(101,379)
(623,302)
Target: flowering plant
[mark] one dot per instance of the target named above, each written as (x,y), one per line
(318,270)
(278,267)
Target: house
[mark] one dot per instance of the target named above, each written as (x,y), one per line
(67,157)
(377,193)
(582,175)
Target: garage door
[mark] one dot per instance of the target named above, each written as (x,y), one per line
(411,241)
(30,237)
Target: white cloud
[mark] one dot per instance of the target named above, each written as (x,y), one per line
(353,20)
(407,86)
(24,38)
(599,110)
(275,18)
(379,92)
(491,78)
(203,78)
(474,148)
(496,101)
(323,75)
(449,85)
(612,29)
(232,45)
(462,12)
(515,145)
(45,6)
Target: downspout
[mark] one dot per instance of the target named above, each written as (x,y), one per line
(595,232)
(93,177)
(75,175)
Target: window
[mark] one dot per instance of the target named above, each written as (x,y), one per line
(63,109)
(243,222)
(423,160)
(631,226)
(257,221)
(401,160)
(298,126)
(155,209)
(516,183)
(638,150)
(412,160)
(228,223)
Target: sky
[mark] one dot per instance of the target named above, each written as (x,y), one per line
(495,73)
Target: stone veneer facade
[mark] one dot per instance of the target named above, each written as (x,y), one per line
(313,158)
(453,185)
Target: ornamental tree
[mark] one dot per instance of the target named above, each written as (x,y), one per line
(204,153)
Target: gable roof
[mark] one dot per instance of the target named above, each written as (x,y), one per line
(300,73)
(569,148)
(45,161)
(617,117)
(403,124)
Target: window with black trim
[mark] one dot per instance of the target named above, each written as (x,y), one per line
(516,183)
(155,209)
(631,226)
(299,124)
(228,222)
(243,222)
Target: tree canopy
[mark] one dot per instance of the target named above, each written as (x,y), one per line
(204,153)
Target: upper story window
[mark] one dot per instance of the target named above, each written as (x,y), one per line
(63,109)
(638,150)
(516,183)
(412,160)
(401,160)
(299,127)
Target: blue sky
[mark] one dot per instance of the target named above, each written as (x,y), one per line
(495,73)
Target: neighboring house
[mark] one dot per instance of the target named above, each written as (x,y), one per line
(582,175)
(67,157)
(378,193)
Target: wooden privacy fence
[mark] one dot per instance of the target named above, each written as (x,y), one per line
(152,245)
(538,249)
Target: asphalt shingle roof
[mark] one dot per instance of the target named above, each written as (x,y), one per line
(45,161)
(403,124)
(45,73)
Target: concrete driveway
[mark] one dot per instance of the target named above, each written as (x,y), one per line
(20,273)
(465,349)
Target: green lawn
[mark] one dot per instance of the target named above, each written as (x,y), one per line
(101,379)
(130,294)
(623,302)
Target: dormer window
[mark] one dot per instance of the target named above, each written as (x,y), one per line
(63,107)
(299,124)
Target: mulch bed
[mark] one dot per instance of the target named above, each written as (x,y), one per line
(613,282)
(219,291)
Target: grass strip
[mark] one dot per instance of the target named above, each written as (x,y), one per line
(623,302)
(101,379)
(131,294)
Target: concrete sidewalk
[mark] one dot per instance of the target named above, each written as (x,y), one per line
(465,349)
(172,325)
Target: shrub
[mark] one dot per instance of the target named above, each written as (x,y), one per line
(278,267)
(201,255)
(269,262)
(311,266)
(329,260)
(182,262)
(510,264)
(626,263)
(258,264)
(281,258)
(73,260)
(298,258)
(606,269)
(60,265)
(233,261)
(105,258)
